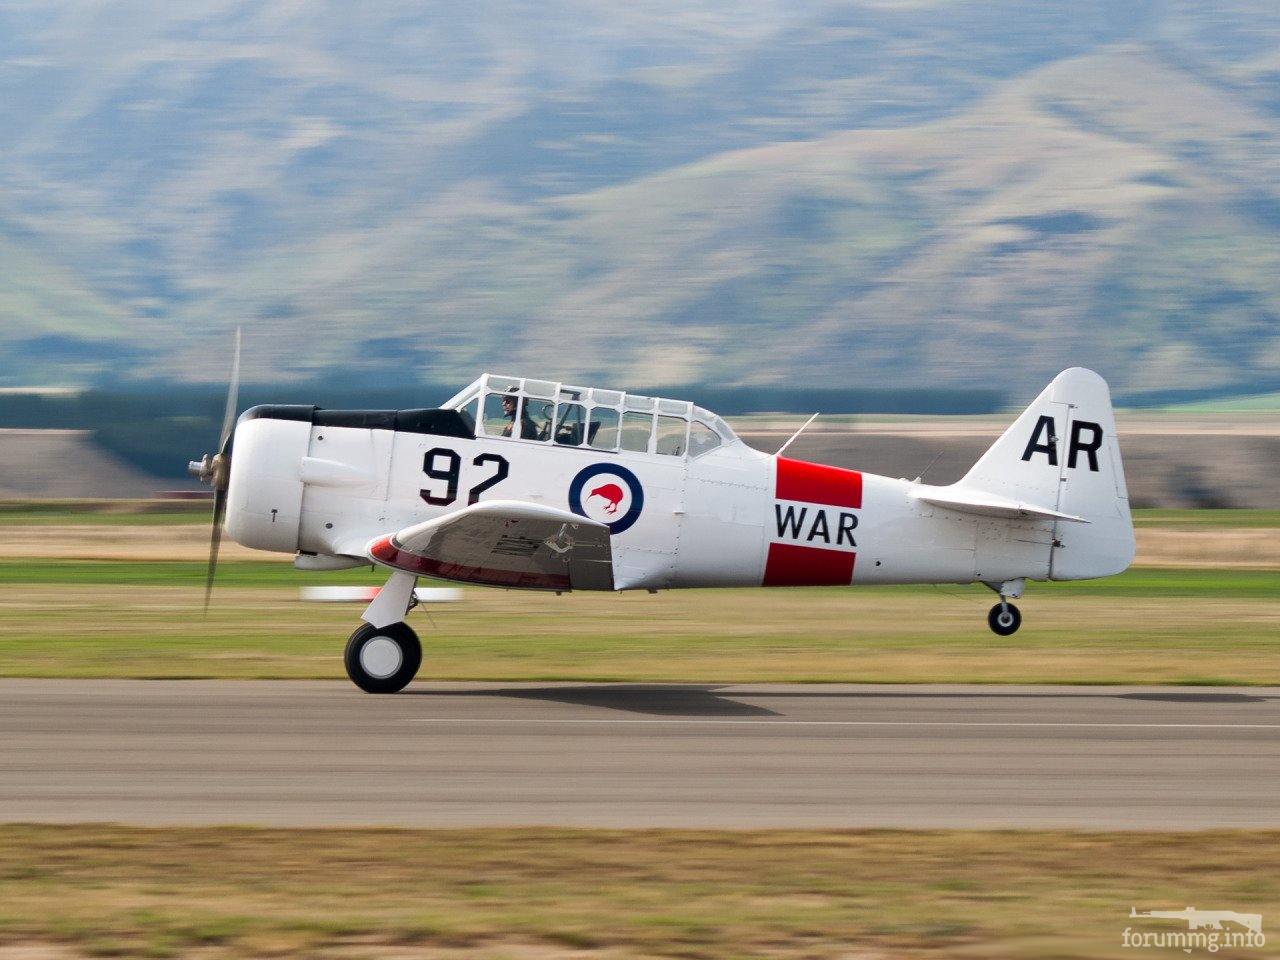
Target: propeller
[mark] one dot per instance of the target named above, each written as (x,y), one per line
(215,470)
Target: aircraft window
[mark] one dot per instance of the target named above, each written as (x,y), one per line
(671,435)
(500,413)
(569,424)
(502,384)
(535,419)
(639,403)
(469,411)
(722,428)
(702,439)
(602,431)
(608,398)
(674,406)
(539,388)
(636,428)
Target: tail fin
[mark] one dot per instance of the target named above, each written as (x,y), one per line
(1062,455)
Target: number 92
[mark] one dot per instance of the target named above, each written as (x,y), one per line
(451,471)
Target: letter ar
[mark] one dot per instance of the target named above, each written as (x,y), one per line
(1078,446)
(789,523)
(819,520)
(1044,425)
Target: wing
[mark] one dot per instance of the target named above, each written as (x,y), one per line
(504,543)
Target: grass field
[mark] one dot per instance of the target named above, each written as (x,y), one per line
(551,894)
(90,619)
(140,616)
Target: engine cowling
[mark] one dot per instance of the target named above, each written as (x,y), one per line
(264,499)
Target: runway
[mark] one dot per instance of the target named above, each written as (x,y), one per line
(320,753)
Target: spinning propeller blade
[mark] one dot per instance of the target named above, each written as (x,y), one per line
(215,541)
(233,393)
(216,470)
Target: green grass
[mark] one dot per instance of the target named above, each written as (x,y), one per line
(1137,582)
(93,618)
(105,512)
(1172,584)
(1206,518)
(702,895)
(97,619)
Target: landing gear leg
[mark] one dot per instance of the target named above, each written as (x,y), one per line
(384,654)
(1004,618)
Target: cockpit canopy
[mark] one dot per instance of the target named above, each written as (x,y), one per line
(546,412)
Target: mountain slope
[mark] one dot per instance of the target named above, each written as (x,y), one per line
(941,191)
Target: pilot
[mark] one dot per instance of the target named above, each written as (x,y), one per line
(528,429)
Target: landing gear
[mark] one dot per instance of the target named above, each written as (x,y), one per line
(384,654)
(1004,619)
(383,659)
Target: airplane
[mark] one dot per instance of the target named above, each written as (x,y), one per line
(538,485)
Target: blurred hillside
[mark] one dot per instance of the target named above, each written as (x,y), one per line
(944,192)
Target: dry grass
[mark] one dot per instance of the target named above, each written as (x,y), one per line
(103,890)
(1174,546)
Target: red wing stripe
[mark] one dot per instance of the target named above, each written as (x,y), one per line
(816,483)
(384,551)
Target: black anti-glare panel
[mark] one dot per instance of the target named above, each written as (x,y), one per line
(441,423)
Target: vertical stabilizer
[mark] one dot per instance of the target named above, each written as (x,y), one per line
(1062,455)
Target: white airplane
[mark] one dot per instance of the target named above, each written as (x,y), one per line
(538,485)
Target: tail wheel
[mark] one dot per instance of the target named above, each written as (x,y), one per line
(383,659)
(1004,619)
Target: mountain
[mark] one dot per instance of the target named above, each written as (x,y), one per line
(932,192)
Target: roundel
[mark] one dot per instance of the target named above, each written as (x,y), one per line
(608,493)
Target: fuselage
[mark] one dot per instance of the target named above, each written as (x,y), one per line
(323,484)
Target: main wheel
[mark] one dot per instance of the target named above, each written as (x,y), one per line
(383,659)
(1004,619)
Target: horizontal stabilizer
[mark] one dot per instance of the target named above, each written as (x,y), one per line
(990,505)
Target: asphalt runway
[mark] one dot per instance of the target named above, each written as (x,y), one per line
(299,753)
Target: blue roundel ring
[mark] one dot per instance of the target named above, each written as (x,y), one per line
(586,474)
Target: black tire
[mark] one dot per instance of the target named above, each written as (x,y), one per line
(1004,619)
(376,667)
